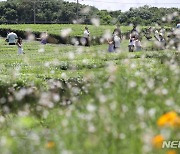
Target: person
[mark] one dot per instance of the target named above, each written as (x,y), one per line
(148,33)
(11,38)
(111,45)
(134,33)
(162,40)
(178,26)
(19,45)
(156,35)
(137,44)
(117,30)
(44,37)
(131,45)
(116,40)
(87,36)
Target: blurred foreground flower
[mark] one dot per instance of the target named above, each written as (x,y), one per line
(171,152)
(169,119)
(157,141)
(50,145)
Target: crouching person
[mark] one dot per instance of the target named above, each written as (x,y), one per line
(11,38)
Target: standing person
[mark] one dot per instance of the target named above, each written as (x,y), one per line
(138,45)
(134,32)
(156,35)
(19,45)
(178,26)
(44,37)
(117,30)
(117,41)
(148,33)
(87,36)
(111,45)
(11,38)
(162,40)
(131,45)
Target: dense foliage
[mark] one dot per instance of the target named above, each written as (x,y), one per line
(150,15)
(54,11)
(58,11)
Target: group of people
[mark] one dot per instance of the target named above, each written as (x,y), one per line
(115,41)
(13,39)
(134,41)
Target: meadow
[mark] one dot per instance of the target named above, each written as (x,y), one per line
(77,29)
(74,100)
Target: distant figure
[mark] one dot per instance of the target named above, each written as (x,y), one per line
(111,45)
(131,45)
(134,33)
(11,38)
(137,44)
(87,36)
(116,41)
(178,26)
(162,40)
(19,45)
(148,33)
(117,30)
(44,37)
(156,35)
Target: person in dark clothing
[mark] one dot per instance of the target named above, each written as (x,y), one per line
(117,31)
(134,33)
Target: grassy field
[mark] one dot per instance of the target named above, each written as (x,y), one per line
(77,30)
(77,100)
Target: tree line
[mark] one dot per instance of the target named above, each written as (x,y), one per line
(59,11)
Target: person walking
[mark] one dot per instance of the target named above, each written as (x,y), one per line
(19,45)
(11,38)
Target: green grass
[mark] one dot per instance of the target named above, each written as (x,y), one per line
(116,98)
(77,30)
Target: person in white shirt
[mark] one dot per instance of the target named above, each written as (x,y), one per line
(87,36)
(11,38)
(178,25)
(117,41)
